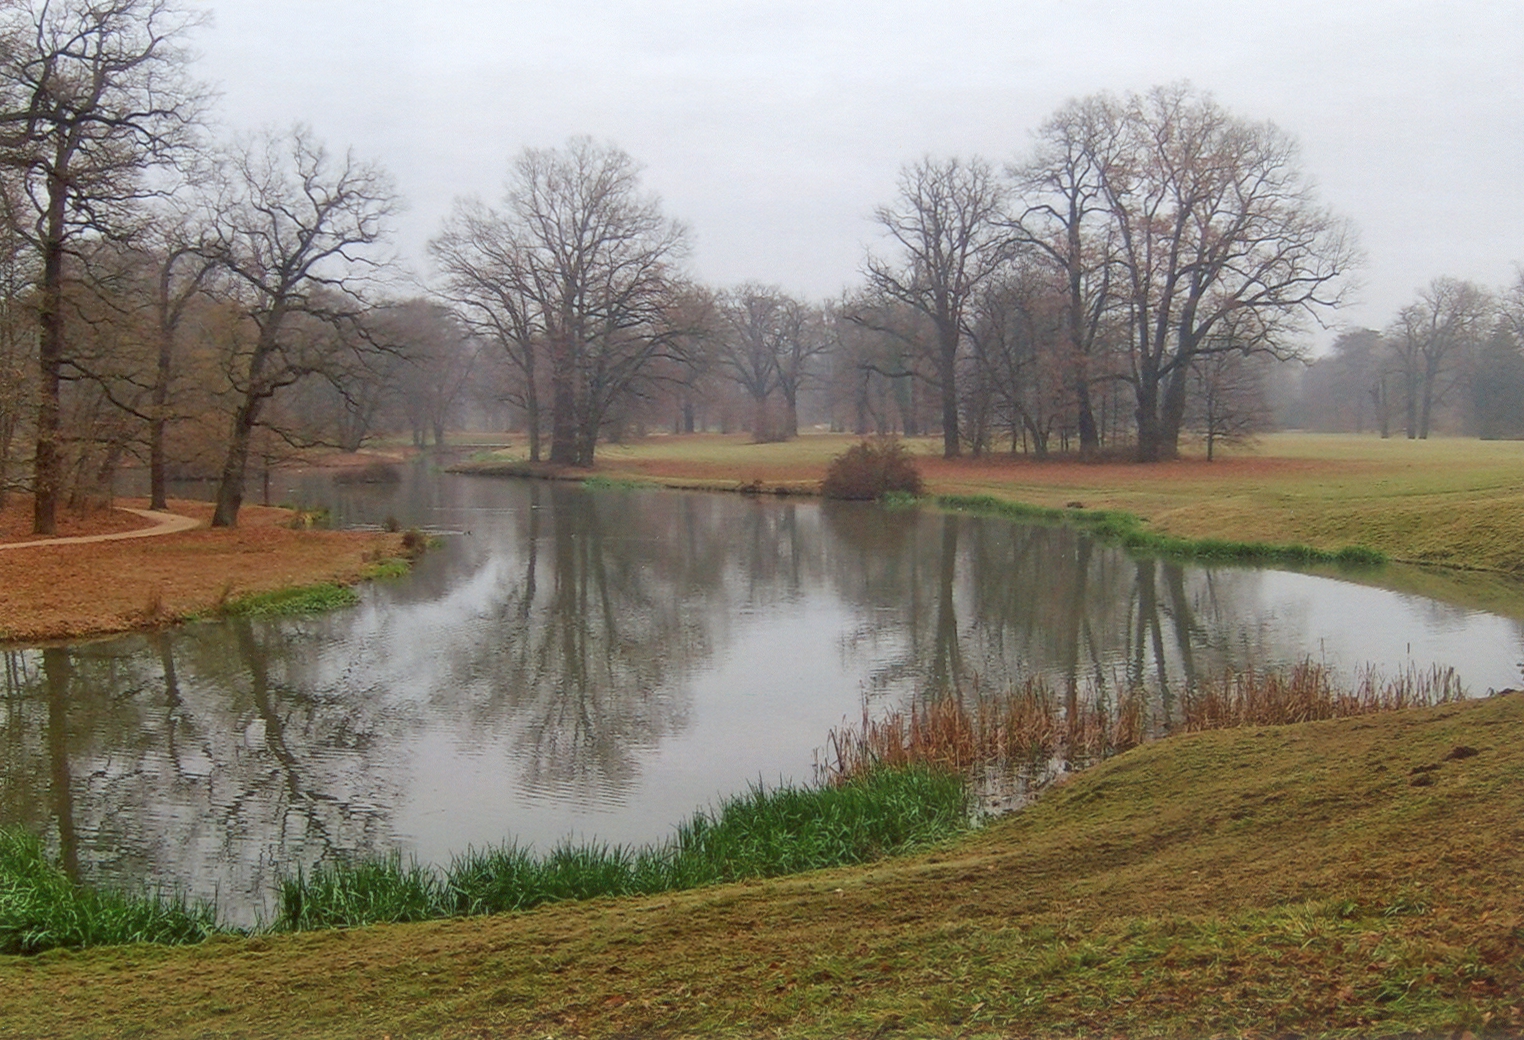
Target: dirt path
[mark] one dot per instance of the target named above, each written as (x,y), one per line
(164,523)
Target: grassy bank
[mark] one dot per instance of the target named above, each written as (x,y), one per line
(41,909)
(1449,501)
(1355,877)
(1131,533)
(763,833)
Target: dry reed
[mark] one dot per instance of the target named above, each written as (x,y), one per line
(1032,723)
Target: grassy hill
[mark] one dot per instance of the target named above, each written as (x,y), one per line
(1362,877)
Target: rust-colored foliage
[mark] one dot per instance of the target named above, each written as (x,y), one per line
(1032,721)
(872,469)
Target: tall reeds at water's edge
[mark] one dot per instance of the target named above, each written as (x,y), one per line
(41,908)
(1032,722)
(763,833)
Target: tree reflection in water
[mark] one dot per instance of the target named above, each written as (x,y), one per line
(546,663)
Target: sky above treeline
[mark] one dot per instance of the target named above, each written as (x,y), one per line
(773,128)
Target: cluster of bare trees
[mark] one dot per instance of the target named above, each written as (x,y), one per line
(1453,358)
(197,305)
(1144,242)
(170,296)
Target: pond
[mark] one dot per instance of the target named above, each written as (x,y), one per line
(599,663)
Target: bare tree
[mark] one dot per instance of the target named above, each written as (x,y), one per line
(296,237)
(1431,338)
(804,341)
(1067,222)
(438,360)
(602,255)
(949,227)
(491,284)
(92,94)
(18,341)
(578,266)
(749,345)
(1213,219)
(1227,403)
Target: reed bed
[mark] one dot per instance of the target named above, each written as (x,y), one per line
(42,909)
(961,733)
(983,732)
(762,833)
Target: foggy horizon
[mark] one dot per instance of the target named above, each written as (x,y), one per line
(773,130)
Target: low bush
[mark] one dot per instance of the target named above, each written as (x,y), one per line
(870,470)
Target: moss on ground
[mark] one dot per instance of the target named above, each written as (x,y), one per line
(1359,877)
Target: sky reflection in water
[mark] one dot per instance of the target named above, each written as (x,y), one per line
(598,664)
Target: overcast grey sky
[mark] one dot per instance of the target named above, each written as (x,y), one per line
(773,128)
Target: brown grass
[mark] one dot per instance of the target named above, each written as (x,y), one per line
(1033,722)
(72,591)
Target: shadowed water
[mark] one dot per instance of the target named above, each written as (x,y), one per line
(598,664)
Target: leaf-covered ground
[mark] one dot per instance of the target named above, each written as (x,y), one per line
(1362,877)
(69,591)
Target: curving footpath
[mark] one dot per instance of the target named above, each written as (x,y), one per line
(164,523)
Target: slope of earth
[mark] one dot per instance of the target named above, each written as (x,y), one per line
(1351,878)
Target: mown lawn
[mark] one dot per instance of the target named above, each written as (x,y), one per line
(1361,877)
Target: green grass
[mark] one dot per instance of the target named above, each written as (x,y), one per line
(42,909)
(388,569)
(1253,882)
(600,483)
(1128,531)
(292,602)
(762,833)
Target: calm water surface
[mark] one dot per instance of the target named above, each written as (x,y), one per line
(580,663)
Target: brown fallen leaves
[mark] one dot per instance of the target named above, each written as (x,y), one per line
(72,591)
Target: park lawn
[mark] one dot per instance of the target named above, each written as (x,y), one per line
(1359,877)
(1452,501)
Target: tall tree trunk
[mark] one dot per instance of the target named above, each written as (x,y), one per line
(1148,417)
(947,372)
(235,465)
(1172,413)
(160,404)
(1089,432)
(563,409)
(47,463)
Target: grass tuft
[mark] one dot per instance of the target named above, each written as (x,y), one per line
(294,602)
(41,909)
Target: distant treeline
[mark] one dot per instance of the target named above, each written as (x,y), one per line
(1139,275)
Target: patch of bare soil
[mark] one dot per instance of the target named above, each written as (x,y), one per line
(58,592)
(16,519)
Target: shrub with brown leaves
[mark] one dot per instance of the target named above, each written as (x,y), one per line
(871,470)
